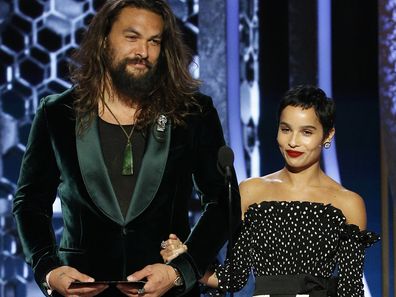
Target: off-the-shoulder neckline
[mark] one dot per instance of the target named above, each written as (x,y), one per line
(338,210)
(299,202)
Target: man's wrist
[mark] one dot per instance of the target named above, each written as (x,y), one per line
(184,264)
(178,282)
(47,285)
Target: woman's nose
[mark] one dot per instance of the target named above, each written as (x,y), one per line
(293,140)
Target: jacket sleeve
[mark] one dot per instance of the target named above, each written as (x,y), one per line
(32,203)
(212,229)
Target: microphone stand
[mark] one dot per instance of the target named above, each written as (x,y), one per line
(230,232)
(225,161)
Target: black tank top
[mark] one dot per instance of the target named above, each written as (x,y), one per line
(113,142)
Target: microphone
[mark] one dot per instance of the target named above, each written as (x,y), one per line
(225,160)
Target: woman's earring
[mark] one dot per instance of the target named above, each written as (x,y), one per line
(327,144)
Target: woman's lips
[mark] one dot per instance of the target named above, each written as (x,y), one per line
(294,154)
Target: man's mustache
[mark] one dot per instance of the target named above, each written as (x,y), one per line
(138,60)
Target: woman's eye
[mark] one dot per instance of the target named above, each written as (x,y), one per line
(307,132)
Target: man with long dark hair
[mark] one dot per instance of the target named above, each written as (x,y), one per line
(123,150)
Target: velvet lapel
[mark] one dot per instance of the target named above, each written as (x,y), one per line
(151,171)
(94,173)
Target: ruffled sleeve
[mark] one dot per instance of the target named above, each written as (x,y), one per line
(241,260)
(350,257)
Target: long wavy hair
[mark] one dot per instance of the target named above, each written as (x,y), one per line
(173,94)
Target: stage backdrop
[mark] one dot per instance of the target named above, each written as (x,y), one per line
(247,52)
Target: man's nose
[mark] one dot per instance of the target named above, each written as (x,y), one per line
(142,50)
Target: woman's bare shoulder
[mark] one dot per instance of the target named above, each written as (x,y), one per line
(256,185)
(352,206)
(256,189)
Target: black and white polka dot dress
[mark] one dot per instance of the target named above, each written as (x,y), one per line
(298,238)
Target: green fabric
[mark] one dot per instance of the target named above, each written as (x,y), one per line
(151,172)
(94,173)
(97,180)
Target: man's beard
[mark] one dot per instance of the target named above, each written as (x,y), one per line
(134,88)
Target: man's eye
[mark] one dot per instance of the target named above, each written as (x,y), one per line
(155,42)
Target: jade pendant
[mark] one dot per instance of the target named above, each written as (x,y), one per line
(127,164)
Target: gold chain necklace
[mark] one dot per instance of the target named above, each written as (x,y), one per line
(127,164)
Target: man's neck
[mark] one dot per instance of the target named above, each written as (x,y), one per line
(117,108)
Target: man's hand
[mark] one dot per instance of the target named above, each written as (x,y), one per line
(60,279)
(160,278)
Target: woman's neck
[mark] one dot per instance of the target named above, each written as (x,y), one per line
(300,178)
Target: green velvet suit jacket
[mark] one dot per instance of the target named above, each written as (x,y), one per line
(97,239)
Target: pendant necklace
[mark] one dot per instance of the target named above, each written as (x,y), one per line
(127,164)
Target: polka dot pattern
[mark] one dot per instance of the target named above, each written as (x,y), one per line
(286,238)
